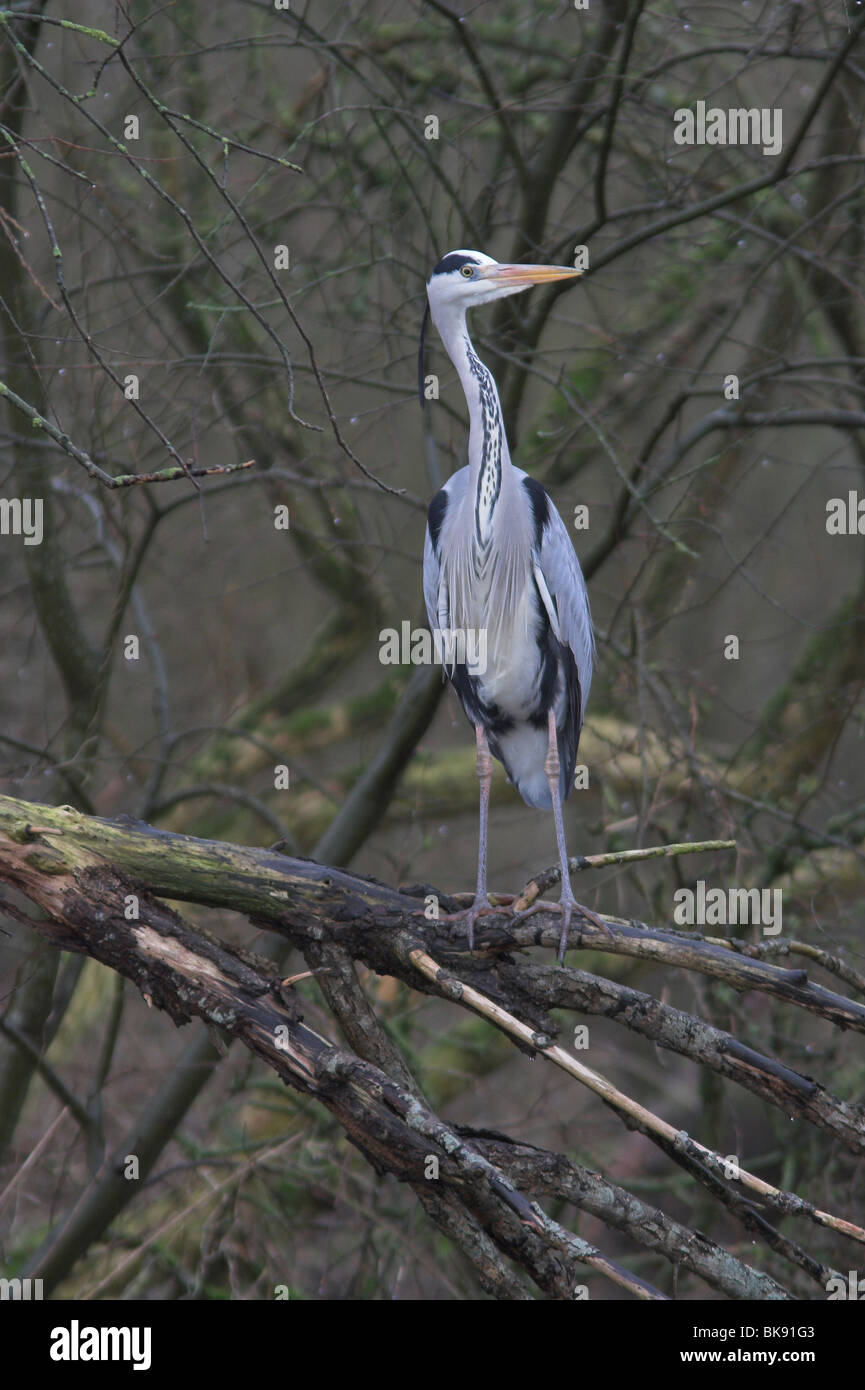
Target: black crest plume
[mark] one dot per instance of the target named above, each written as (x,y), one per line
(420,356)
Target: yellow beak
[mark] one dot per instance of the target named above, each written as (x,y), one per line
(527,274)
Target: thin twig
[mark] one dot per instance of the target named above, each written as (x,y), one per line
(649,1123)
(581,862)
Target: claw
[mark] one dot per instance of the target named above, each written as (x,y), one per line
(566,906)
(481,907)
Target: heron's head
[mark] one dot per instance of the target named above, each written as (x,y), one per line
(463,279)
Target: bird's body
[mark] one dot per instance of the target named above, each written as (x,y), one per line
(537,657)
(498,560)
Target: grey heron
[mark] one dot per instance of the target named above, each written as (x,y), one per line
(498,558)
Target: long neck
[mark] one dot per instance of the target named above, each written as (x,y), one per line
(489,562)
(489,460)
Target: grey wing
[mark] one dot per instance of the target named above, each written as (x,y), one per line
(562,589)
(432,583)
(566,599)
(438,518)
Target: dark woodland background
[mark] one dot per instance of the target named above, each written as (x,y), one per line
(155,257)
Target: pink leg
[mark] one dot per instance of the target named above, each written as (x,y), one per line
(481,904)
(568,902)
(552,769)
(485,777)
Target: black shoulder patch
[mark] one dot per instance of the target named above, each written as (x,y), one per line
(436,515)
(540,507)
(453,261)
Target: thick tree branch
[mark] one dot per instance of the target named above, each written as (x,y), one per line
(84,872)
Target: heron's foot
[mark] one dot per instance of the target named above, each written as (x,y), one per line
(566,905)
(481,907)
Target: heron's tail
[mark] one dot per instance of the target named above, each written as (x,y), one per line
(523,752)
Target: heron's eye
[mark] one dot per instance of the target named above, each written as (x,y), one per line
(467,271)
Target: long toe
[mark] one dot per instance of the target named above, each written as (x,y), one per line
(481,907)
(527,912)
(470,928)
(568,905)
(565,907)
(596,921)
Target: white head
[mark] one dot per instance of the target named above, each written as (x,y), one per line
(463,279)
